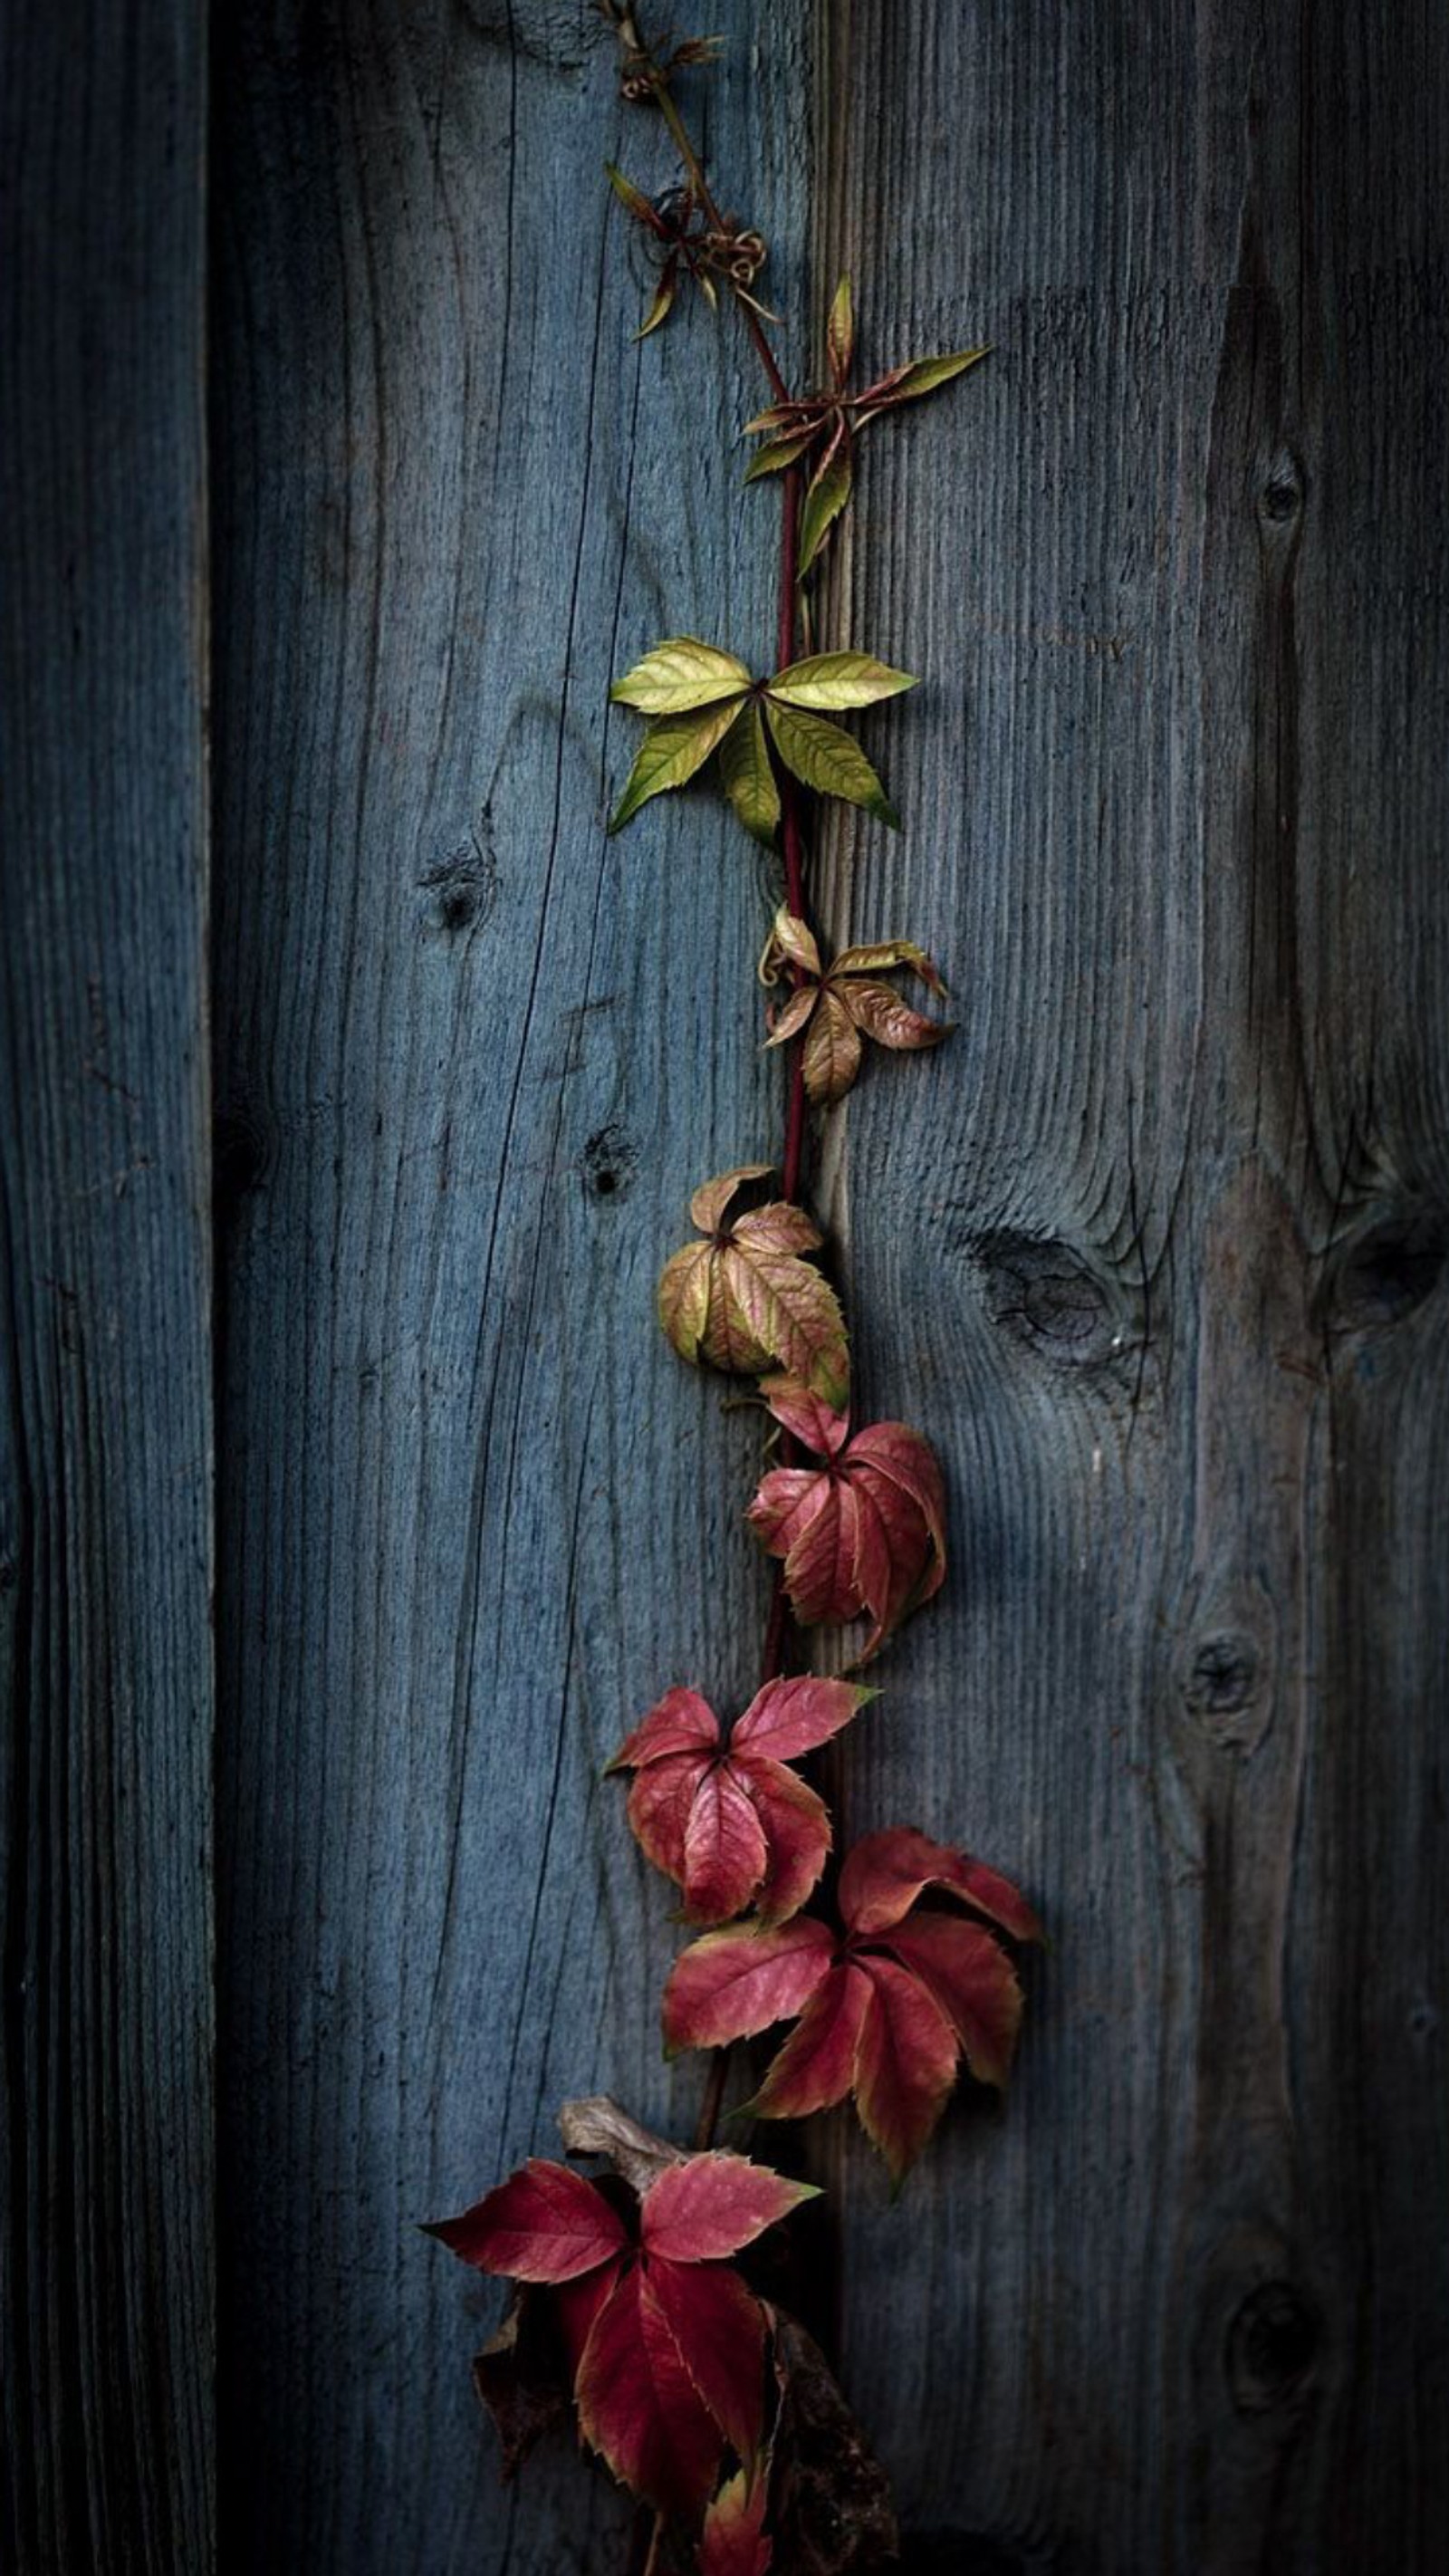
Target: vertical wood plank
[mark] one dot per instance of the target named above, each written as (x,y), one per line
(471,1060)
(1168,1225)
(105,1546)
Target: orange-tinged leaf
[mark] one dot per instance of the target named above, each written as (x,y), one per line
(779,1226)
(792,943)
(710,1200)
(731,1984)
(816,2068)
(833,1050)
(672,750)
(685,1284)
(840,332)
(719,2335)
(863,1533)
(544,2224)
(712,2205)
(734,2541)
(881,1013)
(905,2064)
(970,1976)
(879,956)
(886,1872)
(792,1312)
(748,776)
(639,2408)
(679,675)
(793,1017)
(837,681)
(823,756)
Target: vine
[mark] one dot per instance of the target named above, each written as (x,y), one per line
(705,2398)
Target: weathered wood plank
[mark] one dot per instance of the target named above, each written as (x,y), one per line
(105,1552)
(472,1515)
(1167,1224)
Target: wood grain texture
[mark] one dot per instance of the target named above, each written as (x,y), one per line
(471,1059)
(105,1521)
(1161,1239)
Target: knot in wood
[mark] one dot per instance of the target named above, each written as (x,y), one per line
(1272,2345)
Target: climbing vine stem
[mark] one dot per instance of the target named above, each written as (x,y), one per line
(629,2312)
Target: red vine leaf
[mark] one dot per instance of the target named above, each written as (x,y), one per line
(665,2342)
(887,2011)
(835,1009)
(731,1825)
(746,1298)
(864,1533)
(734,2541)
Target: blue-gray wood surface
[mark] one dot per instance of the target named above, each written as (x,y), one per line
(1154,1247)
(107,2206)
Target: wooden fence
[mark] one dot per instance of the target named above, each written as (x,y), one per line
(350,1504)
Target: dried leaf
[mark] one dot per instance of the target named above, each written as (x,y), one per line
(748,776)
(837,681)
(672,750)
(598,2126)
(829,2506)
(747,1298)
(522,2379)
(864,1533)
(826,497)
(889,2011)
(679,675)
(824,757)
(840,333)
(730,1825)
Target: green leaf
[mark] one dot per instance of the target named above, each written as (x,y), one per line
(672,750)
(923,375)
(660,306)
(829,491)
(840,332)
(824,756)
(837,680)
(679,674)
(749,780)
(779,453)
(633,199)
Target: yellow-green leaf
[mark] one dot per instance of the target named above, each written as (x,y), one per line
(633,199)
(836,681)
(779,453)
(661,305)
(840,332)
(679,674)
(749,780)
(923,375)
(826,498)
(824,756)
(672,750)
